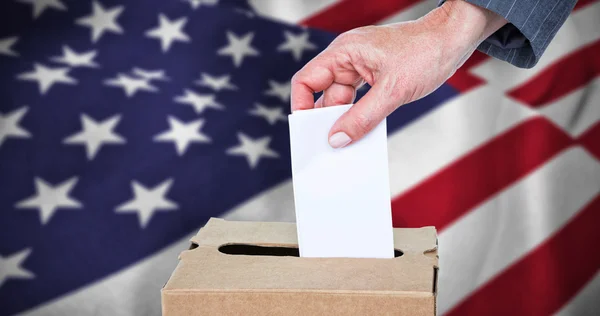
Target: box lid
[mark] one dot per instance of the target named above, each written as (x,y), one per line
(206,268)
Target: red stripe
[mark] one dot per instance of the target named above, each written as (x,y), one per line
(582,3)
(591,140)
(463,80)
(471,180)
(548,277)
(561,78)
(348,14)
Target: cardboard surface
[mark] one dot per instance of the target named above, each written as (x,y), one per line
(210,282)
(338,192)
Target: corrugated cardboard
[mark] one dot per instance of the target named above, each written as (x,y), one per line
(273,281)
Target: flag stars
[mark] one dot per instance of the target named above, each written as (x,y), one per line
(146,201)
(199,102)
(6,45)
(183,134)
(48,198)
(280,90)
(46,77)
(74,59)
(9,125)
(238,48)
(94,135)
(102,20)
(253,149)
(296,44)
(11,266)
(195,4)
(150,75)
(216,83)
(271,114)
(169,31)
(130,84)
(39,6)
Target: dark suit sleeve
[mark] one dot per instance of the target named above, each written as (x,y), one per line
(532,26)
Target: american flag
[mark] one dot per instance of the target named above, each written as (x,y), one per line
(124,126)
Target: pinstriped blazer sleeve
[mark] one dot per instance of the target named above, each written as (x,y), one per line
(532,25)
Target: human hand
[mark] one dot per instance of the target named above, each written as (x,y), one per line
(402,62)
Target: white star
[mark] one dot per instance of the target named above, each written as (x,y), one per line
(148,201)
(253,149)
(47,77)
(102,20)
(130,85)
(169,31)
(9,125)
(94,134)
(50,198)
(216,83)
(39,6)
(10,267)
(247,13)
(280,90)
(150,74)
(6,46)
(238,48)
(183,134)
(199,102)
(271,114)
(296,44)
(197,3)
(73,59)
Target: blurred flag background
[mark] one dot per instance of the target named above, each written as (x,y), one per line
(125,125)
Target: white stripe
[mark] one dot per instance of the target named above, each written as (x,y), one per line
(586,303)
(580,29)
(511,7)
(530,13)
(494,235)
(450,132)
(290,11)
(578,111)
(413,12)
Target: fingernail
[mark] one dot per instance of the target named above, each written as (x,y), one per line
(339,139)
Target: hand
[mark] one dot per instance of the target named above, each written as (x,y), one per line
(402,62)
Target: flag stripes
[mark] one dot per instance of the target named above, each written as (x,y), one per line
(503,229)
(547,278)
(586,300)
(590,140)
(349,14)
(561,78)
(479,175)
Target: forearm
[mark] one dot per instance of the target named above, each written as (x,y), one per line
(464,27)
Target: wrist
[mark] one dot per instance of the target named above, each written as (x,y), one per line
(463,26)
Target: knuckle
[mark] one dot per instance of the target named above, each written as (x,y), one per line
(297,78)
(361,123)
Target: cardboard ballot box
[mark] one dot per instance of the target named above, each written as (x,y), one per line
(252,268)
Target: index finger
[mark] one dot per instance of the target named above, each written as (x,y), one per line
(315,76)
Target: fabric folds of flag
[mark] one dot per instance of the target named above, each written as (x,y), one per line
(125,125)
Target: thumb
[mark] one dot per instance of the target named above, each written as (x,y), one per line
(365,115)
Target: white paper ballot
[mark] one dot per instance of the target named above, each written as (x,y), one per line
(342,196)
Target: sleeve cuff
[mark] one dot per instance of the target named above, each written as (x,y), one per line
(531,27)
